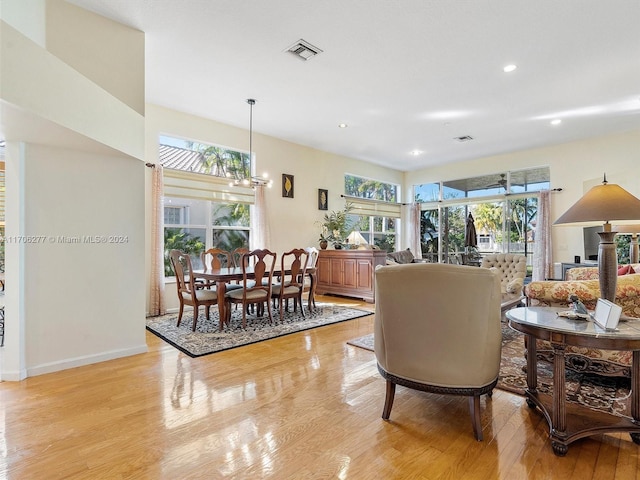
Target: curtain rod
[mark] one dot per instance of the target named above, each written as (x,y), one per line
(150,165)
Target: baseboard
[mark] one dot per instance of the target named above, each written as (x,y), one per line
(82,361)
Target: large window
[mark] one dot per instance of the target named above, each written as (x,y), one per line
(201,212)
(503,207)
(376,210)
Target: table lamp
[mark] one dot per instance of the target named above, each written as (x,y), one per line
(356,238)
(632,230)
(604,203)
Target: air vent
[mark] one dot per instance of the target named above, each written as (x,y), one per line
(303,50)
(464,138)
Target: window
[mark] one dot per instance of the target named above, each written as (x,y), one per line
(201,210)
(376,210)
(503,206)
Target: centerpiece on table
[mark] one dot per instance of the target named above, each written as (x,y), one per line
(335,227)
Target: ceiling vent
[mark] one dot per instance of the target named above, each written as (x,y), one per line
(464,138)
(303,50)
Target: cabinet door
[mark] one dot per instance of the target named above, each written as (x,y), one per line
(336,271)
(350,272)
(324,271)
(365,277)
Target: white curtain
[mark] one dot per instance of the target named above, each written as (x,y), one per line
(156,303)
(260,236)
(542,253)
(411,213)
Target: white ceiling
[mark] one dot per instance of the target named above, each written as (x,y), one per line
(403,75)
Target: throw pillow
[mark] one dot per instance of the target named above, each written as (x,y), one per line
(626,270)
(515,285)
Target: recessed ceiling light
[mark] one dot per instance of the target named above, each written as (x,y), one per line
(509,68)
(556,121)
(415,153)
(342,125)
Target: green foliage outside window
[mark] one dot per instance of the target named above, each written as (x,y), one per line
(176,239)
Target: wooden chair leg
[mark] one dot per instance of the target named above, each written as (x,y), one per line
(281,305)
(474,408)
(180,314)
(388,401)
(195,317)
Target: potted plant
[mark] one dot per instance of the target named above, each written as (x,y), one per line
(335,227)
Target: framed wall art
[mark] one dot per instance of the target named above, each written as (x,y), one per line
(323,200)
(287,185)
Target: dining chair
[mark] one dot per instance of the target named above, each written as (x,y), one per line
(255,289)
(291,285)
(309,284)
(188,294)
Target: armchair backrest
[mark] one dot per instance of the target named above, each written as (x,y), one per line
(438,323)
(511,267)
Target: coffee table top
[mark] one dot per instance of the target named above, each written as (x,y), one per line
(544,322)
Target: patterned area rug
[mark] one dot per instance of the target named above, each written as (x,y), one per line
(606,394)
(208,339)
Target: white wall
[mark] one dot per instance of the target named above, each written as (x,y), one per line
(84,301)
(575,167)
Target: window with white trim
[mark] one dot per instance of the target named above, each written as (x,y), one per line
(201,209)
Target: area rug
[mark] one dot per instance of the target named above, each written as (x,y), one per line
(208,339)
(605,394)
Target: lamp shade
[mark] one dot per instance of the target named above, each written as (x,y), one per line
(603,203)
(355,238)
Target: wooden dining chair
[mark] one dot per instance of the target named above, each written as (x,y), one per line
(256,288)
(292,285)
(188,294)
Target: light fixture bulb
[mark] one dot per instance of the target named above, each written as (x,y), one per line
(342,125)
(509,68)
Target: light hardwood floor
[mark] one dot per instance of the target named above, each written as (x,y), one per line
(301,406)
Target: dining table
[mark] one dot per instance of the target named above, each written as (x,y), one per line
(222,276)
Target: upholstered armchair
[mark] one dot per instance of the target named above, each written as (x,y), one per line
(511,267)
(437,329)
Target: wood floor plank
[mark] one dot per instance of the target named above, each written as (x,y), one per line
(305,405)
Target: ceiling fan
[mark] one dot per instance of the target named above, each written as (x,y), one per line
(502,183)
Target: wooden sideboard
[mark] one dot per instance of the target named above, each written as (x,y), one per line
(349,272)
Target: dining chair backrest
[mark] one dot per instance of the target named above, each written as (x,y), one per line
(313,253)
(236,255)
(218,259)
(299,259)
(181,263)
(263,262)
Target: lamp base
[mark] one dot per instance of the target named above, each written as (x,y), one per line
(607,266)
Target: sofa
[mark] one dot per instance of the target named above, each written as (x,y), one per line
(555,294)
(402,257)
